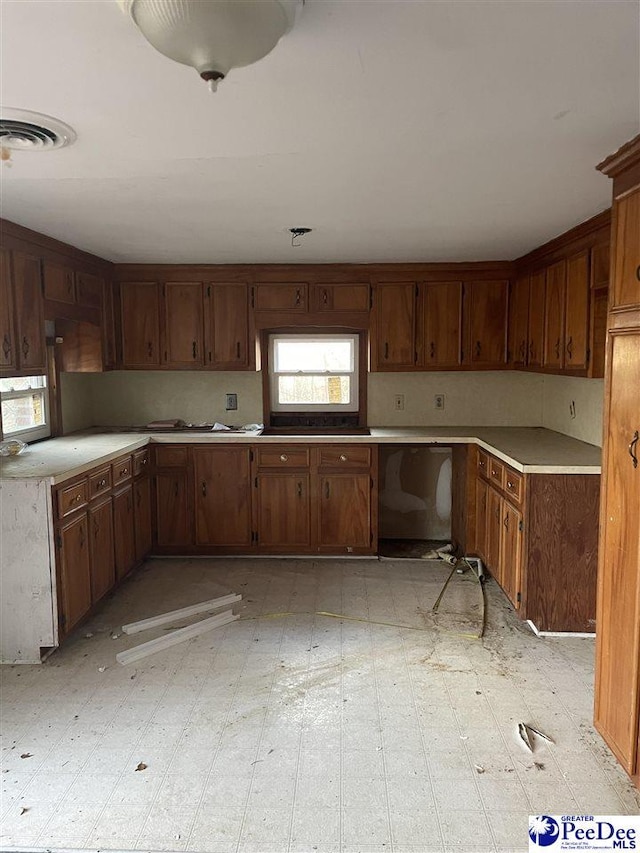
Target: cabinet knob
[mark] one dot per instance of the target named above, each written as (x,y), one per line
(343,457)
(124,471)
(144,461)
(509,484)
(102,482)
(284,457)
(78,498)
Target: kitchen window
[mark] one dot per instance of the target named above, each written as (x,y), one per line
(314,373)
(25,407)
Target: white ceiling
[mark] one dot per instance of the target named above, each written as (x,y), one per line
(399,130)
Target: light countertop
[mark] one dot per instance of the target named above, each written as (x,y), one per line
(531,450)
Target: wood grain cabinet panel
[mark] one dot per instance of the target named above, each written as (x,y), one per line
(511,552)
(8,352)
(535,350)
(554,315)
(89,290)
(353,298)
(494,533)
(283,516)
(123,531)
(140,324)
(103,567)
(485,318)
(519,321)
(142,517)
(29,312)
(74,572)
(183,324)
(577,302)
(228,345)
(281,297)
(344,512)
(441,344)
(626,263)
(173,519)
(59,282)
(482,494)
(395,326)
(222,496)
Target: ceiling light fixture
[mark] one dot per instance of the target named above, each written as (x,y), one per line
(213,36)
(296,233)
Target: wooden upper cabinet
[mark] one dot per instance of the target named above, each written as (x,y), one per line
(340,298)
(89,290)
(183,324)
(280,297)
(485,319)
(625,292)
(29,311)
(441,344)
(140,323)
(8,352)
(554,314)
(227,325)
(59,282)
(395,326)
(537,285)
(577,301)
(519,321)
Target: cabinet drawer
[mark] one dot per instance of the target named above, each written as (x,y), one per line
(99,483)
(72,498)
(496,471)
(121,470)
(514,485)
(171,457)
(283,457)
(344,456)
(140,462)
(483,463)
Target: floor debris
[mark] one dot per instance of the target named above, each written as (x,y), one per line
(527,733)
(141,766)
(181,613)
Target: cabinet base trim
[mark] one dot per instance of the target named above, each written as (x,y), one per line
(559,633)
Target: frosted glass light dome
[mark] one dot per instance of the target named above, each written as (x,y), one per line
(213,36)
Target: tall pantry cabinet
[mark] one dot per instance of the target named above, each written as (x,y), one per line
(617,684)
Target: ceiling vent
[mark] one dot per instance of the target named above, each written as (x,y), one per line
(23,130)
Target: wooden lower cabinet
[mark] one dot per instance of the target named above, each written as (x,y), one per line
(344,517)
(103,569)
(173,522)
(511,551)
(283,511)
(74,571)
(482,496)
(142,515)
(222,496)
(123,531)
(494,533)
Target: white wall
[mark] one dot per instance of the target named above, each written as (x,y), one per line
(76,393)
(588,396)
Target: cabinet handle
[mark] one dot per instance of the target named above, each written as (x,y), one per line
(433,349)
(326,489)
(478,348)
(325,296)
(570,347)
(299,490)
(386,349)
(124,471)
(284,457)
(531,352)
(238,349)
(204,489)
(6,346)
(343,457)
(25,347)
(638,272)
(149,348)
(176,489)
(523,349)
(506,521)
(558,348)
(481,463)
(144,461)
(298,296)
(69,284)
(632,449)
(194,349)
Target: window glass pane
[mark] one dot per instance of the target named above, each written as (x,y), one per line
(23,412)
(22,383)
(330,354)
(314,390)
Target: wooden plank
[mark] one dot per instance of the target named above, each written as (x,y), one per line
(181,613)
(175,637)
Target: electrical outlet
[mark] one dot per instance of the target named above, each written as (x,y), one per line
(232,402)
(438,401)
(398,402)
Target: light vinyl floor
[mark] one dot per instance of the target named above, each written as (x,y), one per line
(301,733)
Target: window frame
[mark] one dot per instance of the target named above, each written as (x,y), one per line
(35,433)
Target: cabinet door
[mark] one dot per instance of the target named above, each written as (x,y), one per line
(519,322)
(142,517)
(511,552)
(482,490)
(280,297)
(103,566)
(222,496)
(341,297)
(283,511)
(59,282)
(32,353)
(89,289)
(576,326)
(618,607)
(485,317)
(228,346)
(442,342)
(173,517)
(74,566)
(344,512)
(125,551)
(7,337)
(626,262)
(140,324)
(183,324)
(395,326)
(494,533)
(554,306)
(537,284)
